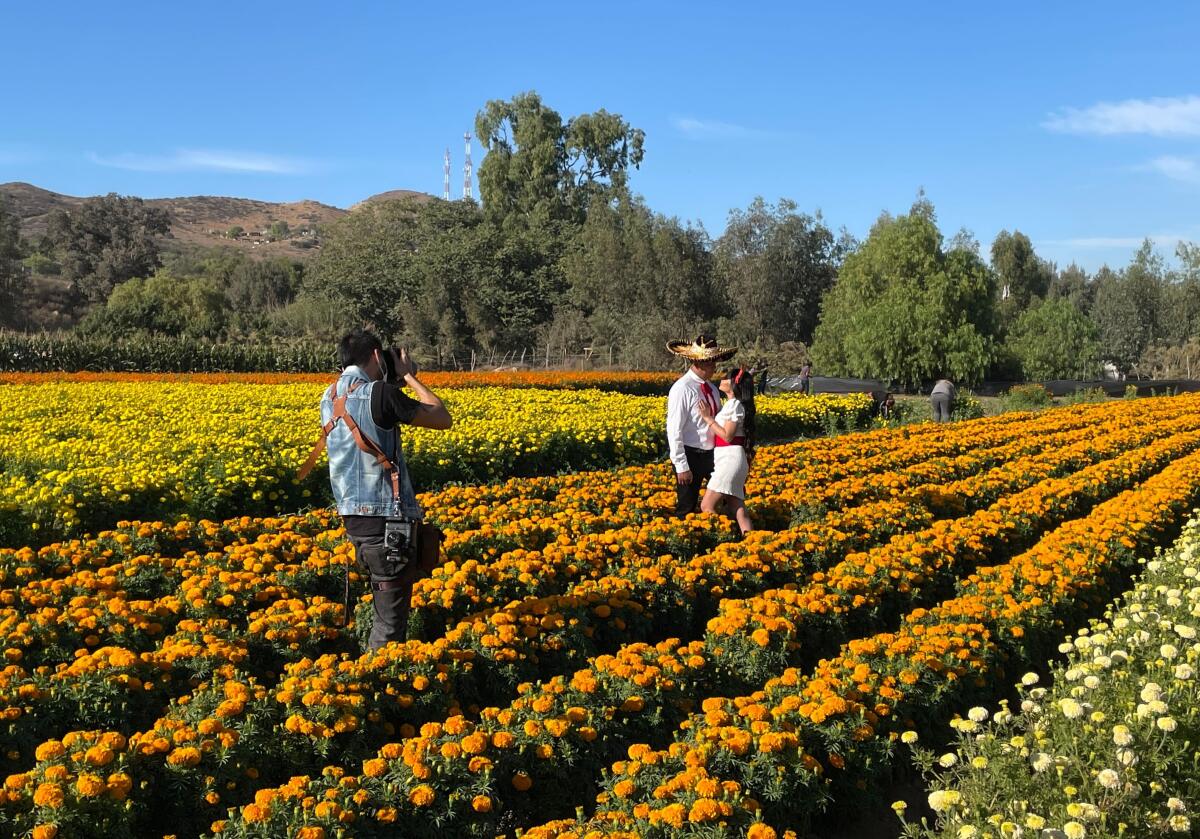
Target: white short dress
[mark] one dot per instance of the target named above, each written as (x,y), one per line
(730,465)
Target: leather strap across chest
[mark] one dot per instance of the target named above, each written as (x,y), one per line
(365,443)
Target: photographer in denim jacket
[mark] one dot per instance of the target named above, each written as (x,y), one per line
(360,415)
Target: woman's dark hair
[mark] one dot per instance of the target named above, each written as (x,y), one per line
(742,381)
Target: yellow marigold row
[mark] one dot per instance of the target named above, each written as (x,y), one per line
(80,456)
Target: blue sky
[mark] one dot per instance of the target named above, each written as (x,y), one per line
(1078,124)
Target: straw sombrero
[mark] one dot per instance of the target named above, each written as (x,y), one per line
(704,348)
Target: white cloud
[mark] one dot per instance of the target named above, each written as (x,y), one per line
(206,160)
(1158,117)
(706,129)
(1160,240)
(1183,169)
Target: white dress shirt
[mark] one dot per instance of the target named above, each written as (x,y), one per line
(685,427)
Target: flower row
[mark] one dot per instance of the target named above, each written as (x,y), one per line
(1108,747)
(80,456)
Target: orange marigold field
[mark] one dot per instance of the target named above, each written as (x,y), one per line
(582,663)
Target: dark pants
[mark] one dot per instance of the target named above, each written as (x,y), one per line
(391,591)
(942,405)
(687,496)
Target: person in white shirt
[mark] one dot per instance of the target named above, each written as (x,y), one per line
(733,429)
(688,436)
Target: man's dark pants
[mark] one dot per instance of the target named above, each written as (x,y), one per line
(391,592)
(687,496)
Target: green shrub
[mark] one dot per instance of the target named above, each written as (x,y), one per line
(1031,397)
(1091,394)
(966,406)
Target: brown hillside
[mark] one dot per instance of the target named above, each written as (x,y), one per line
(393,195)
(205,220)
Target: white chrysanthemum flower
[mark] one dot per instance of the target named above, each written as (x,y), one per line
(1071,709)
(1151,692)
(908,738)
(1127,757)
(1168,651)
(1092,682)
(1184,672)
(979,762)
(1034,822)
(1180,824)
(1108,778)
(947,760)
(1042,761)
(1166,724)
(942,800)
(1158,707)
(1102,661)
(1121,623)
(967,832)
(1066,647)
(1029,679)
(978,714)
(1073,674)
(1122,736)
(1184,631)
(1074,830)
(1175,805)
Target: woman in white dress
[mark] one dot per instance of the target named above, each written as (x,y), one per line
(733,436)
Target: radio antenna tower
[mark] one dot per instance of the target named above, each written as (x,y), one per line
(446,180)
(467,167)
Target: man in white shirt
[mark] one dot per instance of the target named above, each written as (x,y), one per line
(688,435)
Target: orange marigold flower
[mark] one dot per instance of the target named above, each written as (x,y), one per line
(89,785)
(421,796)
(48,795)
(481,804)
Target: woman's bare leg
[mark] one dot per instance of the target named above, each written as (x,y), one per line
(711,501)
(740,513)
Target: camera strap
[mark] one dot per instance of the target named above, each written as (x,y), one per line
(364,442)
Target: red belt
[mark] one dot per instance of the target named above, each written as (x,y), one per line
(736,441)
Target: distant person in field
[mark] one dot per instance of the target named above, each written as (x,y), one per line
(733,430)
(887,408)
(806,378)
(688,435)
(942,399)
(361,414)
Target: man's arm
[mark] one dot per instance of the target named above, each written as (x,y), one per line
(391,406)
(677,411)
(431,413)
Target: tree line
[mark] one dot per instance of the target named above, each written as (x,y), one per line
(561,254)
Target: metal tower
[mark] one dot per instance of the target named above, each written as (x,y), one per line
(446,179)
(467,167)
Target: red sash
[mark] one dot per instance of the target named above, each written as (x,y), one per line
(736,441)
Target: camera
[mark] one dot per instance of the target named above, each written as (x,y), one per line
(387,360)
(400,541)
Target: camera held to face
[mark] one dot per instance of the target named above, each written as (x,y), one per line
(388,361)
(400,541)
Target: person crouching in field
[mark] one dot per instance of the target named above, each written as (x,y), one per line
(733,429)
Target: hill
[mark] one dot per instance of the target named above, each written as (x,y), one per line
(207,220)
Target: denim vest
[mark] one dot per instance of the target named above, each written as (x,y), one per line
(361,486)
